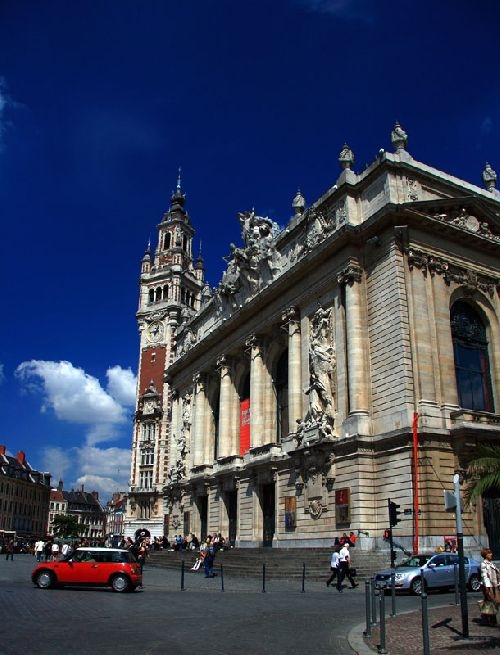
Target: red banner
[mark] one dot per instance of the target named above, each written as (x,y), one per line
(244,426)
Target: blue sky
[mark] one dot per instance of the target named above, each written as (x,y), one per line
(102,101)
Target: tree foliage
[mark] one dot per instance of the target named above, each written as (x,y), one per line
(482,473)
(66,525)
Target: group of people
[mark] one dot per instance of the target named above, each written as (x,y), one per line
(340,566)
(207,552)
(52,550)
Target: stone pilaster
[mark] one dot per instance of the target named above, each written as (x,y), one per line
(422,338)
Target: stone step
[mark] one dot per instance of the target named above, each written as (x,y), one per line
(279,563)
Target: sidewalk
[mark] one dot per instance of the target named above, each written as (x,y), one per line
(404,633)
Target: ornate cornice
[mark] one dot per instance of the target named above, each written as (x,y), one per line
(451,272)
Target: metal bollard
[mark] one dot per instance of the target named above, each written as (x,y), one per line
(381,647)
(303,577)
(368,631)
(374,602)
(393,593)
(222,577)
(182,576)
(425,624)
(264,578)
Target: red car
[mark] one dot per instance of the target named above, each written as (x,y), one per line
(93,567)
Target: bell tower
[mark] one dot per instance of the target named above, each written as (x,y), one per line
(171,288)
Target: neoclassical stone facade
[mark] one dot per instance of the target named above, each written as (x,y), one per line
(298,391)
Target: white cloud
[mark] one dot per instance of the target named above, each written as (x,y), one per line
(72,394)
(57,461)
(122,385)
(104,470)
(76,397)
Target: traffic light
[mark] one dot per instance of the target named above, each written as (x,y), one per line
(394,514)
(387,534)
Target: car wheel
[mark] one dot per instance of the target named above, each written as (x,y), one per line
(416,586)
(120,583)
(474,583)
(45,579)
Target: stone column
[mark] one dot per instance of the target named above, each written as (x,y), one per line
(225,406)
(291,320)
(198,431)
(256,396)
(357,339)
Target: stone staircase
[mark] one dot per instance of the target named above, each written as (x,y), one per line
(279,562)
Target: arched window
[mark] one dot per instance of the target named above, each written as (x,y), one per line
(281,387)
(472,366)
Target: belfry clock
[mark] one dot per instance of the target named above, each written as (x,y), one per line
(154,332)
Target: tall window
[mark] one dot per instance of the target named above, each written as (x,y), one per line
(148,431)
(147,457)
(472,366)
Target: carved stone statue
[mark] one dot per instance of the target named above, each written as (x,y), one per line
(322,366)
(346,157)
(399,138)
(489,177)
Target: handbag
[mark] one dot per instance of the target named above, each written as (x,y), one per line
(487,607)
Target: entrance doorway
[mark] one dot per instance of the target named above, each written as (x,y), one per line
(202,503)
(268,499)
(231,500)
(491,517)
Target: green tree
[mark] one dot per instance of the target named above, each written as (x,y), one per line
(66,525)
(482,473)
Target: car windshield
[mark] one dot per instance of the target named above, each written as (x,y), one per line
(416,560)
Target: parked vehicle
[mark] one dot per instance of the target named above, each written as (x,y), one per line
(438,572)
(93,567)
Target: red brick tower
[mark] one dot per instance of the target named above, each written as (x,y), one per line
(170,292)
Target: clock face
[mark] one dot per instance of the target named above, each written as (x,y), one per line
(154,332)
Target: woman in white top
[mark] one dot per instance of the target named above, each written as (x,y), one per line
(490,579)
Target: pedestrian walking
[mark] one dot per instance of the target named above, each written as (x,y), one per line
(10,550)
(490,585)
(39,549)
(208,560)
(345,566)
(334,568)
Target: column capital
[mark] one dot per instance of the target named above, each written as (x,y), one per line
(350,274)
(199,381)
(290,319)
(224,365)
(254,344)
